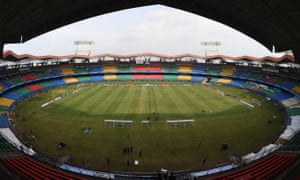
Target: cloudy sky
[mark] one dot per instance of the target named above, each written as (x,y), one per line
(157,29)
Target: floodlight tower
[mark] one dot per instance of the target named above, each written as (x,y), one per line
(83,47)
(213,45)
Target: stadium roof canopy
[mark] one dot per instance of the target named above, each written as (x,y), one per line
(271,22)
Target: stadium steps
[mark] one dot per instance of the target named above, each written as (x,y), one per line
(28,168)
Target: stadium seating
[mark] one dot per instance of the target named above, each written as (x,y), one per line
(46,84)
(66,70)
(33,87)
(96,78)
(109,69)
(58,82)
(139,68)
(155,76)
(41,74)
(124,68)
(296,89)
(155,69)
(184,77)
(293,111)
(253,75)
(27,168)
(5,146)
(214,80)
(237,83)
(124,77)
(227,71)
(288,84)
(224,80)
(28,77)
(84,78)
(94,68)
(214,70)
(169,77)
(15,79)
(22,90)
(269,79)
(110,77)
(169,72)
(197,78)
(293,145)
(79,69)
(184,69)
(6,101)
(139,76)
(281,96)
(169,68)
(266,168)
(70,80)
(12,95)
(198,69)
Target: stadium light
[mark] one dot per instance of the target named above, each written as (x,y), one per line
(83,47)
(211,44)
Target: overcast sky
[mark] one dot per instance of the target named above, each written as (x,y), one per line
(156,29)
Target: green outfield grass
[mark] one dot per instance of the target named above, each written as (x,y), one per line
(218,119)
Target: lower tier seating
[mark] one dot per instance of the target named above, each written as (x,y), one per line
(27,168)
(267,168)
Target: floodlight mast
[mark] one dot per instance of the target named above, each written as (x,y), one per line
(212,44)
(83,47)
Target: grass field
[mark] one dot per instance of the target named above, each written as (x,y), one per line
(218,119)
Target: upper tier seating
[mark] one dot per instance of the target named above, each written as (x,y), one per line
(67,70)
(109,69)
